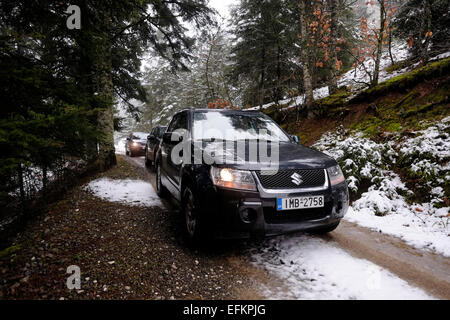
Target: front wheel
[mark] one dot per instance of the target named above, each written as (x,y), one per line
(194,224)
(148,163)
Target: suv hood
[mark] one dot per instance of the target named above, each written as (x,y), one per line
(291,156)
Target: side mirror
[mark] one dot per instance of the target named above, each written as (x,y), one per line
(295,138)
(172,137)
(128,139)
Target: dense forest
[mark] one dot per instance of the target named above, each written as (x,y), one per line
(273,50)
(64,66)
(72,73)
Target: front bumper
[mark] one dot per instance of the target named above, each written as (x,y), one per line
(137,149)
(247,214)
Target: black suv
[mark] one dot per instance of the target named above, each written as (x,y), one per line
(152,146)
(207,161)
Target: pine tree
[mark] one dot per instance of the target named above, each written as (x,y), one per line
(59,85)
(264,52)
(334,62)
(113,35)
(305,56)
(423,24)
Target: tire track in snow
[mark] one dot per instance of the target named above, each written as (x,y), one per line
(313,268)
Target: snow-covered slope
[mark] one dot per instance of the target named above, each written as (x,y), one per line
(388,205)
(354,79)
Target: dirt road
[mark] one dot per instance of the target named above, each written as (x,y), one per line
(123,251)
(420,268)
(129,251)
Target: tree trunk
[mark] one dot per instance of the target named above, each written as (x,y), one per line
(96,78)
(334,15)
(261,84)
(104,88)
(307,79)
(21,183)
(376,71)
(278,90)
(427,27)
(44,178)
(21,188)
(210,88)
(390,46)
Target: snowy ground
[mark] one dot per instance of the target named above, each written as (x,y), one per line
(357,78)
(132,192)
(384,207)
(312,268)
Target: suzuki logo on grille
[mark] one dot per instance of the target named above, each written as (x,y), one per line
(296,178)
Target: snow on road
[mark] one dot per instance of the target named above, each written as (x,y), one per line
(133,192)
(312,268)
(308,267)
(423,230)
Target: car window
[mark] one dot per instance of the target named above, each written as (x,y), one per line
(161,131)
(179,121)
(172,123)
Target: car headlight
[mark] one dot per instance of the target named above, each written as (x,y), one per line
(135,144)
(335,174)
(234,179)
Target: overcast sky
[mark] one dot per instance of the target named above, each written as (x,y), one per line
(222,6)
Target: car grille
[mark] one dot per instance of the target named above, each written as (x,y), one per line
(282,179)
(272,216)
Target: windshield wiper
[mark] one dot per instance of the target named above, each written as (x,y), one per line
(257,139)
(212,139)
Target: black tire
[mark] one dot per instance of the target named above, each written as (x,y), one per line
(193,220)
(326,229)
(153,164)
(148,163)
(161,191)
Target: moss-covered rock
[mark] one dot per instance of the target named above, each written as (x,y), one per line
(331,105)
(399,65)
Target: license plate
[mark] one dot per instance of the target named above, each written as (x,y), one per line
(300,203)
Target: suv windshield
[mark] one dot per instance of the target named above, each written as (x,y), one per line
(235,126)
(139,136)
